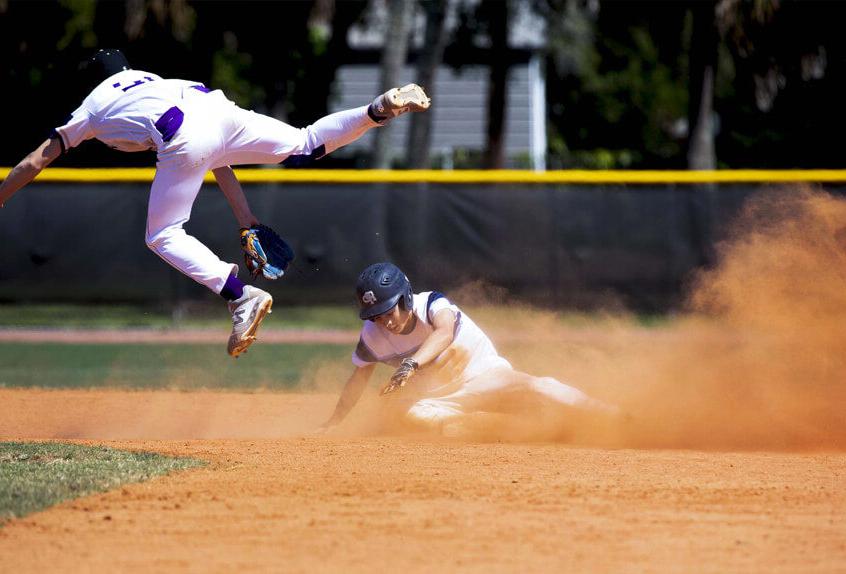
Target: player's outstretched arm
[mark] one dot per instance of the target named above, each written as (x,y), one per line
(435,344)
(350,395)
(29,167)
(231,188)
(440,338)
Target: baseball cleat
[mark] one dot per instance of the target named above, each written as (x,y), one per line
(397,101)
(247,314)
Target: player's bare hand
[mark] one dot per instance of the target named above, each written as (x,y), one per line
(401,376)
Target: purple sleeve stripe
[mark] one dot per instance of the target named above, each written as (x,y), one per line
(433,296)
(364,353)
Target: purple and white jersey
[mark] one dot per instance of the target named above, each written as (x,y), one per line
(470,354)
(122,111)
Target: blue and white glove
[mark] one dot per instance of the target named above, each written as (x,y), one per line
(265,252)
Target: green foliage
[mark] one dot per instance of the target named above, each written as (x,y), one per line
(319,40)
(34,476)
(617,99)
(80,24)
(229,70)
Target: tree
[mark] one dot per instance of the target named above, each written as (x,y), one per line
(787,60)
(496,14)
(394,55)
(616,87)
(701,152)
(420,137)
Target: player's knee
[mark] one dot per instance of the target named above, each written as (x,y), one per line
(526,384)
(540,383)
(155,239)
(431,412)
(548,385)
(150,241)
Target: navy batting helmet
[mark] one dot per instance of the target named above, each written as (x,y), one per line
(101,65)
(380,287)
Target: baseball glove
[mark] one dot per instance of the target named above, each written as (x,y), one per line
(401,376)
(265,252)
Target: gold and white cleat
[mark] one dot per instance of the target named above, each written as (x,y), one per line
(397,101)
(247,315)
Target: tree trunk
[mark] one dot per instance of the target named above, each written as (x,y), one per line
(393,58)
(498,21)
(420,135)
(701,152)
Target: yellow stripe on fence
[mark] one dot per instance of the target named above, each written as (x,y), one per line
(461,176)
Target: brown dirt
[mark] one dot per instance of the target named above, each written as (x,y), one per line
(276,500)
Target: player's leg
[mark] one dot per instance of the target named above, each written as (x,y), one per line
(491,391)
(504,390)
(477,395)
(171,197)
(434,414)
(556,392)
(255,138)
(507,390)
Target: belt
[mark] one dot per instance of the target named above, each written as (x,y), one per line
(169,123)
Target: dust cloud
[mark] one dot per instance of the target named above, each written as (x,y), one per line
(757,361)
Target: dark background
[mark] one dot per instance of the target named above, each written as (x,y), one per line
(575,246)
(620,74)
(623,91)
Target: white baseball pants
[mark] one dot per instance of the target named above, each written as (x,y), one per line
(500,390)
(216,133)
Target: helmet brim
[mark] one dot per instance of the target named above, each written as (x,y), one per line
(379,308)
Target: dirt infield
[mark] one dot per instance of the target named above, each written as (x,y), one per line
(276,500)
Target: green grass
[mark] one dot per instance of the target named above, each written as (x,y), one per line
(150,366)
(201,316)
(208,315)
(34,476)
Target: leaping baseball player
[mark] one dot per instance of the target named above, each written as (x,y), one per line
(193,130)
(442,359)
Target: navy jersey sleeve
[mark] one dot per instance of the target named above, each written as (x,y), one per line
(362,355)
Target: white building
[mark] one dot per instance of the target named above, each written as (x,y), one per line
(460,96)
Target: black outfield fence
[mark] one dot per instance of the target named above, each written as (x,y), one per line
(565,244)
